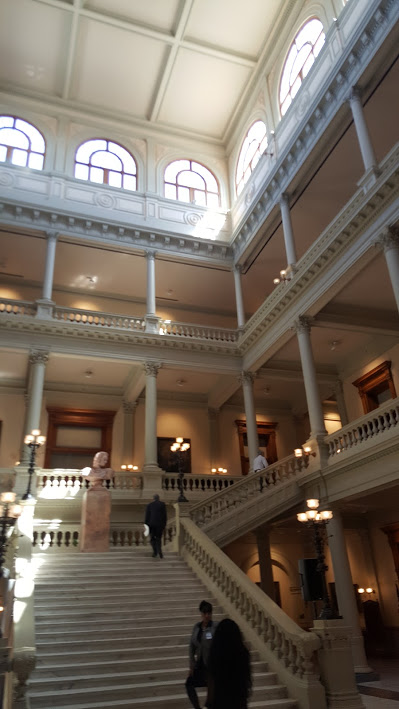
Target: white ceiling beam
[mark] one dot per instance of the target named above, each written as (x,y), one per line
(232,57)
(168,68)
(135,384)
(354,323)
(71,55)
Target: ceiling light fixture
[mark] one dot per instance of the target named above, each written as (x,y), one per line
(334,344)
(181,382)
(88,373)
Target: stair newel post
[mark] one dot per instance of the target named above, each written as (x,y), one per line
(182,510)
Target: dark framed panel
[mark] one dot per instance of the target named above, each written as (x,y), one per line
(169,461)
(376,387)
(267,442)
(95,426)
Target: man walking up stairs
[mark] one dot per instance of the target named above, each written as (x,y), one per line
(112,630)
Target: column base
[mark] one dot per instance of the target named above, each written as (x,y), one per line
(152,324)
(152,480)
(44,309)
(369,178)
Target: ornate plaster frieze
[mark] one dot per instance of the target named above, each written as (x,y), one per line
(19,208)
(313,119)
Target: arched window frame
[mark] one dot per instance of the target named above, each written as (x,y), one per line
(249,155)
(127,176)
(174,189)
(294,82)
(30,156)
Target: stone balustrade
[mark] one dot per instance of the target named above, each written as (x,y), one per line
(290,651)
(199,331)
(16,307)
(248,488)
(198,483)
(72,481)
(65,536)
(93,317)
(368,428)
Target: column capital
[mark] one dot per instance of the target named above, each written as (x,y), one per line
(150,254)
(246,377)
(302,324)
(285,198)
(129,407)
(152,368)
(389,238)
(38,356)
(52,234)
(237,268)
(355,94)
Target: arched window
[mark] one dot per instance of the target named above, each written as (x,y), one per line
(255,143)
(106,162)
(189,181)
(21,143)
(304,50)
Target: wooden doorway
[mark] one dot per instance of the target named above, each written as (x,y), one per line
(267,442)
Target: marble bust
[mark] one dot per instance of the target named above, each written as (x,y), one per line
(98,472)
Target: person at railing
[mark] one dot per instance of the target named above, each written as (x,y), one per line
(199,647)
(260,462)
(229,669)
(155,519)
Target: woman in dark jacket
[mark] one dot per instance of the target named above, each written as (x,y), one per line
(229,670)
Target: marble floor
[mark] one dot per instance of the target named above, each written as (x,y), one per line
(384,693)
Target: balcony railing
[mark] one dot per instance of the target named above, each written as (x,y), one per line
(369,427)
(199,332)
(17,307)
(94,317)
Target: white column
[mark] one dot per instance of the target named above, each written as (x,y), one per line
(129,409)
(246,379)
(315,409)
(345,591)
(362,132)
(341,404)
(239,298)
(38,360)
(150,434)
(150,255)
(390,241)
(265,561)
(214,440)
(49,267)
(287,230)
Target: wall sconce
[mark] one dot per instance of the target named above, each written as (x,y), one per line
(304,452)
(367,590)
(129,467)
(33,440)
(284,278)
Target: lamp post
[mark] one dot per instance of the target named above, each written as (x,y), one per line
(9,513)
(317,520)
(33,440)
(180,447)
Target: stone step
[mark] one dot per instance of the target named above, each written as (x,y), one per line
(102,633)
(109,679)
(48,622)
(176,701)
(158,605)
(63,590)
(131,666)
(131,690)
(131,642)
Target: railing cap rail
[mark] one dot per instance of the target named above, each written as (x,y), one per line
(384,408)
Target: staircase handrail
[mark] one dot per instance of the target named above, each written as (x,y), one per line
(290,651)
(253,484)
(369,426)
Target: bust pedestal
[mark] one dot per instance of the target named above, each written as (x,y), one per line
(96,515)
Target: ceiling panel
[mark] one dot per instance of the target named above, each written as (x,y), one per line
(74,370)
(33,44)
(357,292)
(202,92)
(185,381)
(109,68)
(157,14)
(232,24)
(13,365)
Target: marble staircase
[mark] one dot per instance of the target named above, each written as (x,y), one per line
(112,630)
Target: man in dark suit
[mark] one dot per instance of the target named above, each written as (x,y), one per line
(155,518)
